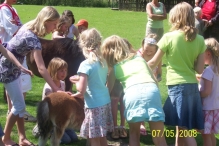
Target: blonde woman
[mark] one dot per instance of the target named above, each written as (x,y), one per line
(184,50)
(142,98)
(25,40)
(91,85)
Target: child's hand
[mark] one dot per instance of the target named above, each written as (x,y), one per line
(198,77)
(77,95)
(74,78)
(68,92)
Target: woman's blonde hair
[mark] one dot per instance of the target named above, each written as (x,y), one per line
(150,39)
(37,26)
(90,41)
(182,17)
(54,65)
(63,20)
(213,48)
(115,49)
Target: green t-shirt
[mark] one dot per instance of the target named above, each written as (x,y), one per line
(156,23)
(181,56)
(133,71)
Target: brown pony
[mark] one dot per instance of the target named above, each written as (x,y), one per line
(65,48)
(57,112)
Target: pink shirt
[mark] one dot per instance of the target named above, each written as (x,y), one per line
(209,10)
(212,101)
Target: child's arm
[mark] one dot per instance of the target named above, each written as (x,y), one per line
(81,85)
(159,71)
(14,60)
(156,59)
(55,35)
(111,80)
(199,64)
(37,54)
(207,88)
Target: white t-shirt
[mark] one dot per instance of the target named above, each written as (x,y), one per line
(7,29)
(70,33)
(47,89)
(212,101)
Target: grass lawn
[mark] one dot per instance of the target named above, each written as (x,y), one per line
(127,24)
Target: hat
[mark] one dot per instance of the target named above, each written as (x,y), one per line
(82,22)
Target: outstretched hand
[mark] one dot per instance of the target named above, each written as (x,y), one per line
(74,78)
(77,95)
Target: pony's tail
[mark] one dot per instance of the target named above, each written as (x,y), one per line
(44,123)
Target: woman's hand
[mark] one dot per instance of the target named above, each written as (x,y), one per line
(27,71)
(77,95)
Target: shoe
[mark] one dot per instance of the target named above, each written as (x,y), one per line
(29,118)
(115,133)
(122,132)
(143,130)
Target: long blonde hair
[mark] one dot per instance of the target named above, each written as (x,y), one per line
(213,48)
(90,41)
(37,26)
(54,65)
(182,17)
(115,49)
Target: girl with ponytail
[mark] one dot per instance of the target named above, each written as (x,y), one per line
(184,50)
(91,85)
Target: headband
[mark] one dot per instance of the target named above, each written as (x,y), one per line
(151,41)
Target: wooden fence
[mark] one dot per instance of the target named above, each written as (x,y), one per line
(140,5)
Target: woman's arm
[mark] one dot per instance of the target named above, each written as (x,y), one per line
(199,64)
(156,59)
(207,88)
(154,16)
(12,58)
(42,69)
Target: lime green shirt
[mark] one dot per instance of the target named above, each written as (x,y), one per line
(181,56)
(133,71)
(156,23)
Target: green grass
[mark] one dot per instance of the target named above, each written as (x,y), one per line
(127,24)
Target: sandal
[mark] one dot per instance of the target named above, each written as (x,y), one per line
(15,144)
(143,130)
(31,144)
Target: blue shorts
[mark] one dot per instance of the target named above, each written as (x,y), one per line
(143,103)
(183,106)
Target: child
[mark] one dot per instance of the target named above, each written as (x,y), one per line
(184,50)
(209,92)
(62,28)
(82,25)
(30,32)
(57,69)
(73,31)
(142,98)
(91,85)
(199,23)
(147,51)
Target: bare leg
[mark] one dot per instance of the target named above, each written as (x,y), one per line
(158,139)
(134,134)
(94,141)
(184,141)
(213,139)
(103,141)
(10,122)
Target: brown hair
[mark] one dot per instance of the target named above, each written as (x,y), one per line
(54,65)
(69,13)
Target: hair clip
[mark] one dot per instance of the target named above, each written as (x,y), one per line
(150,41)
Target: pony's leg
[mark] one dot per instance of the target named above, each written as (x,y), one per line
(56,136)
(42,141)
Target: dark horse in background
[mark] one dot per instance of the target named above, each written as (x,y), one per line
(65,48)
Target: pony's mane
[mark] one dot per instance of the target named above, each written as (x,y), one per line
(61,46)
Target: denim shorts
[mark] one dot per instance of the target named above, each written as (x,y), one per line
(143,103)
(183,107)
